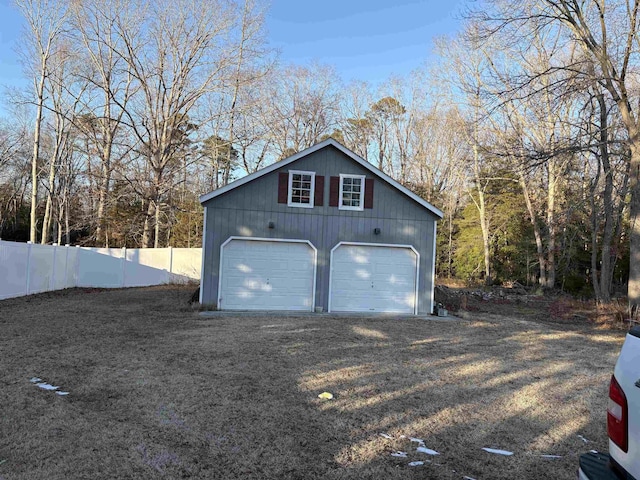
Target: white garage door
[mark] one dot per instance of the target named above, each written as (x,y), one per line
(373,279)
(266,275)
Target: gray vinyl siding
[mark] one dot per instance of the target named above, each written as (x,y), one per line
(247,210)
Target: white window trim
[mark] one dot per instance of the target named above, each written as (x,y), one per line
(362,187)
(311,194)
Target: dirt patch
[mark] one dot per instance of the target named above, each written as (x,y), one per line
(529,303)
(157,391)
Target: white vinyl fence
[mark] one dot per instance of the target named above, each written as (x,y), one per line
(31,268)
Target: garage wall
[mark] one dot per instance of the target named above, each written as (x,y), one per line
(247,211)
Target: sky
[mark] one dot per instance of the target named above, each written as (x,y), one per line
(363,39)
(367,40)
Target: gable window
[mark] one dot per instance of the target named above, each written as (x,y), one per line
(301,189)
(351,192)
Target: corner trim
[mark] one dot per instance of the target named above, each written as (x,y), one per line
(204,243)
(433,268)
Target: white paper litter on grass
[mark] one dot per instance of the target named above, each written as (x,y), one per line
(399,454)
(386,435)
(468,478)
(415,464)
(35,380)
(551,456)
(62,393)
(426,450)
(497,451)
(46,386)
(593,451)
(583,439)
(416,440)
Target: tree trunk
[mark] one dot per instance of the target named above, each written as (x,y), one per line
(156,238)
(48,211)
(633,290)
(450,246)
(103,193)
(36,153)
(484,226)
(604,295)
(146,229)
(550,260)
(46,221)
(536,230)
(157,183)
(595,226)
(482,212)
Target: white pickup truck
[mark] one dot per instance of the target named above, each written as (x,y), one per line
(623,420)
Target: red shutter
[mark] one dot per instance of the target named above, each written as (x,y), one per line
(318,199)
(334,191)
(368,193)
(283,187)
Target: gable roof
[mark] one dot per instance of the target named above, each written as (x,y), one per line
(315,148)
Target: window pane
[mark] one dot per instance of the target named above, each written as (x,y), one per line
(296,177)
(306,178)
(357,181)
(346,181)
(356,188)
(306,185)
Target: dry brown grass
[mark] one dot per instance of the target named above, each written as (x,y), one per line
(158,392)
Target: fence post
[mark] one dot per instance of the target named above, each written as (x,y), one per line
(124,267)
(52,280)
(170,265)
(77,282)
(66,266)
(28,286)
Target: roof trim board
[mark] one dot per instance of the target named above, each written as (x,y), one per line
(330,141)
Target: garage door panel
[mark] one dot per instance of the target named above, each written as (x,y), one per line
(267,275)
(373,279)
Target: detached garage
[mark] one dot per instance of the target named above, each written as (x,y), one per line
(322,230)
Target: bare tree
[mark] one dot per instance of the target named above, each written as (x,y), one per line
(301,106)
(175,56)
(46,23)
(96,33)
(608,33)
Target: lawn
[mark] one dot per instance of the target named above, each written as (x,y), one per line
(157,391)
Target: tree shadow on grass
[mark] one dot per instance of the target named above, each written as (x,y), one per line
(159,392)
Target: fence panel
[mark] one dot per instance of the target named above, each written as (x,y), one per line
(100,267)
(72,267)
(40,268)
(60,267)
(13,269)
(186,264)
(146,266)
(30,268)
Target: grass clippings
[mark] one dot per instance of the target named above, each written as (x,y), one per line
(159,392)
